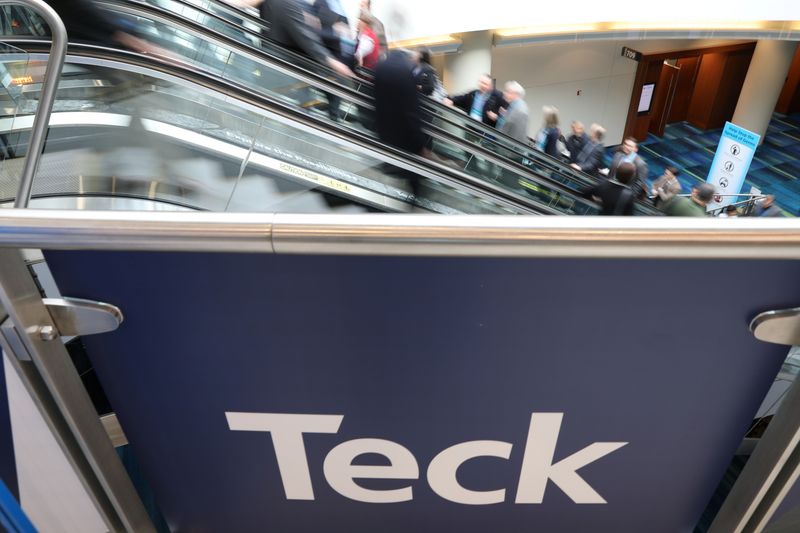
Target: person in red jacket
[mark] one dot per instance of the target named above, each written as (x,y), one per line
(367,47)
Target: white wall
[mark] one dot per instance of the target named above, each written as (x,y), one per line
(552,74)
(50,492)
(407,19)
(474,58)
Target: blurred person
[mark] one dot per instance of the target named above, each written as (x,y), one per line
(86,22)
(332,22)
(694,206)
(397,110)
(424,74)
(590,158)
(547,139)
(367,48)
(666,187)
(615,194)
(729,212)
(378,28)
(513,119)
(288,27)
(482,104)
(767,207)
(629,154)
(576,141)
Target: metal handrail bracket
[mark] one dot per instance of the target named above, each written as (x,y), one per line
(55,63)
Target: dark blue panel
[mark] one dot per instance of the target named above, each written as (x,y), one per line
(8,462)
(431,352)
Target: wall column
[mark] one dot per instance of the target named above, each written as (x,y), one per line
(763,84)
(461,70)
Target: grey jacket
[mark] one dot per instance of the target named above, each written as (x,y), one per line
(590,158)
(638,185)
(515,123)
(288,27)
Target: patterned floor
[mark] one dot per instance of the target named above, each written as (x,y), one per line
(775,169)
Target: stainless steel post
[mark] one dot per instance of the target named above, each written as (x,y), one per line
(58,52)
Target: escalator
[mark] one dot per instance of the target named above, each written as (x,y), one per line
(125,126)
(244,35)
(283,80)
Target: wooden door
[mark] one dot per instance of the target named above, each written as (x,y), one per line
(662,103)
(683,91)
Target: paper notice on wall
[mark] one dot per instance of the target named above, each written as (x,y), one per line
(735,152)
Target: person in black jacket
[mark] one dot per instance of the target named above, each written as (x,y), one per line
(397,105)
(576,141)
(424,73)
(590,157)
(331,16)
(86,23)
(614,194)
(482,104)
(287,26)
(397,110)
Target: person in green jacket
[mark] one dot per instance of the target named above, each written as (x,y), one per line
(695,206)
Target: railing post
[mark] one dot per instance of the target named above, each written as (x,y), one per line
(41,122)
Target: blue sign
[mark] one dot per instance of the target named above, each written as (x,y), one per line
(735,152)
(361,394)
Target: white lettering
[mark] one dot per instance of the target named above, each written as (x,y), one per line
(538,467)
(340,472)
(287,438)
(537,462)
(443,468)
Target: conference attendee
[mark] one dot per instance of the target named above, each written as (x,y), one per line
(397,109)
(367,48)
(629,154)
(332,22)
(695,205)
(482,104)
(576,141)
(615,195)
(287,26)
(513,120)
(85,22)
(590,158)
(548,138)
(666,187)
(424,74)
(378,28)
(767,208)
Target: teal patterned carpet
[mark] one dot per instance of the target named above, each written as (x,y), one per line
(775,169)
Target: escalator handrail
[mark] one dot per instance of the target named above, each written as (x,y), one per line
(389,154)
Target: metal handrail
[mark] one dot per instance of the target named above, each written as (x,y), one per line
(746,204)
(41,122)
(404,235)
